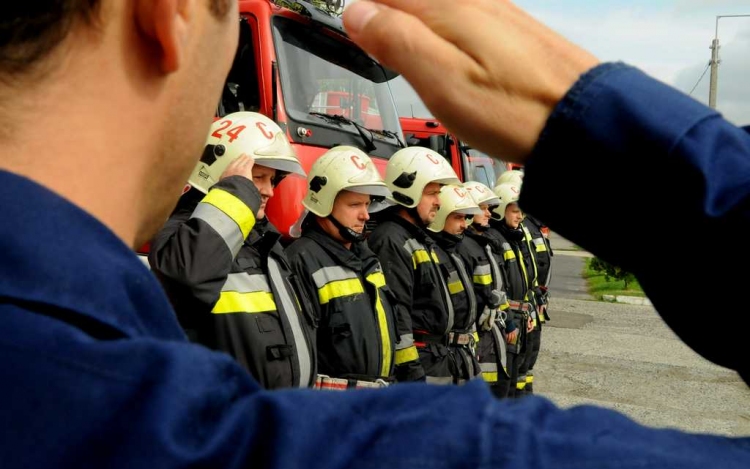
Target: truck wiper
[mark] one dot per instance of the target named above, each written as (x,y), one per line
(393,135)
(339,119)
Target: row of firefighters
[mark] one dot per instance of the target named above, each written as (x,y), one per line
(449,286)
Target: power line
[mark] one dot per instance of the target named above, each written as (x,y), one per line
(701,78)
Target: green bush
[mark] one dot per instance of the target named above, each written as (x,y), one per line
(611,272)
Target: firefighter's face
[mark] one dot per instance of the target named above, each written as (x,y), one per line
(263,178)
(350,209)
(513,215)
(430,203)
(455,224)
(484,218)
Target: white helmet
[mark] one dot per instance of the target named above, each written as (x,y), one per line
(508,194)
(410,170)
(514,176)
(453,199)
(240,133)
(341,168)
(481,193)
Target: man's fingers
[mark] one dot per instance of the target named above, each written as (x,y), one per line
(404,43)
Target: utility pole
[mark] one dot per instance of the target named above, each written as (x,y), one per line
(715,61)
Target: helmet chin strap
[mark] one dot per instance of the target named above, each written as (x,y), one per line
(347,233)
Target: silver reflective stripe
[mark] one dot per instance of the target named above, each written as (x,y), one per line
(501,346)
(222,224)
(496,275)
(246,283)
(326,275)
(488,367)
(468,286)
(300,343)
(448,302)
(442,380)
(412,245)
(482,269)
(407,340)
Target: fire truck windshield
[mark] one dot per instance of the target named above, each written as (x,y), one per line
(322,73)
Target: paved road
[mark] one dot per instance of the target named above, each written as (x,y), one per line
(624,357)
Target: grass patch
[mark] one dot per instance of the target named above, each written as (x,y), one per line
(598,285)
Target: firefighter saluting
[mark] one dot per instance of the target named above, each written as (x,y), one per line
(342,277)
(220,260)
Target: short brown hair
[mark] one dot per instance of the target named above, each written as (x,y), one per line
(31,29)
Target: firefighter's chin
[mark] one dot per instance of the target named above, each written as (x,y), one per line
(261,212)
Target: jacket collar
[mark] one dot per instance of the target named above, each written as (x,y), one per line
(60,257)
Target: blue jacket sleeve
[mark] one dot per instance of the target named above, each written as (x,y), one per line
(653,153)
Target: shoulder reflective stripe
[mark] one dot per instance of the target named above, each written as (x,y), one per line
(377,279)
(244,283)
(338,289)
(235,302)
(300,342)
(326,275)
(233,207)
(405,355)
(245,293)
(482,274)
(222,224)
(509,255)
(439,380)
(417,251)
(336,281)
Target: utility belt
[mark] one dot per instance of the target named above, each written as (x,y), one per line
(422,338)
(342,384)
(523,306)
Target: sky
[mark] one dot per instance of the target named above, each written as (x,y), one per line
(668,39)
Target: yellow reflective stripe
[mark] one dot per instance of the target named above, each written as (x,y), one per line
(233,207)
(489,376)
(476,336)
(521,384)
(378,280)
(483,279)
(434,257)
(529,379)
(455,287)
(253,302)
(419,256)
(408,354)
(338,289)
(508,255)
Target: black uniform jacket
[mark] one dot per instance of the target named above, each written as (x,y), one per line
(357,326)
(231,285)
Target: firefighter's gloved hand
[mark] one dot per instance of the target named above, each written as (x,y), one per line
(487,318)
(497,299)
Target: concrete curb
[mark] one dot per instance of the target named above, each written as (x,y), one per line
(631,300)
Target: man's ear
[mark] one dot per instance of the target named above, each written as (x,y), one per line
(165,24)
